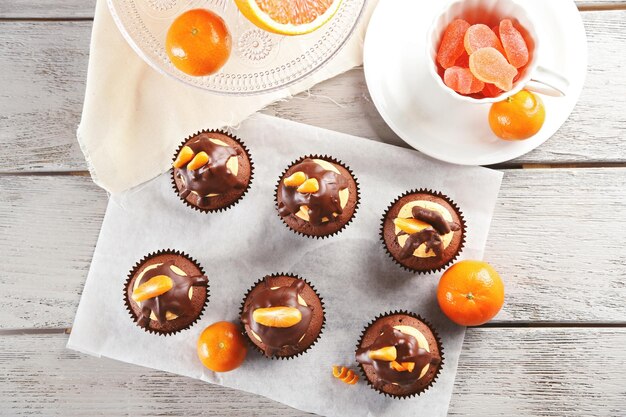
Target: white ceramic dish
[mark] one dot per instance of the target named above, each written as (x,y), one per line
(260,61)
(427,117)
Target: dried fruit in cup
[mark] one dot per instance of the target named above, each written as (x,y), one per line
(490,66)
(221,347)
(451,47)
(462,81)
(198,42)
(470,293)
(518,117)
(480,36)
(514,44)
(288,17)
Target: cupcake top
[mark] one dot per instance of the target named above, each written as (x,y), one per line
(399,354)
(166,292)
(282,315)
(423,231)
(317,196)
(211,170)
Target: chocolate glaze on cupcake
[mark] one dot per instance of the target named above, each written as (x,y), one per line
(317,196)
(282,315)
(399,354)
(212,171)
(166,292)
(423,231)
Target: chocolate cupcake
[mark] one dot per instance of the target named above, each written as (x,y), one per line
(282,315)
(166,292)
(423,231)
(399,354)
(317,196)
(212,171)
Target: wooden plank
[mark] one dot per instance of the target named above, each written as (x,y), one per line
(43,67)
(59,9)
(502,372)
(556,235)
(41,94)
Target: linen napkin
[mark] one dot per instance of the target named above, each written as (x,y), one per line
(133,117)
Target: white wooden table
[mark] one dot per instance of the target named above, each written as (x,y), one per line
(558,238)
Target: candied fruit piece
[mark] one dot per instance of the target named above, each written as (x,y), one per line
(490,66)
(451,47)
(481,36)
(514,44)
(462,80)
(462,61)
(491,91)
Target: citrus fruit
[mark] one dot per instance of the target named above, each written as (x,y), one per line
(288,17)
(221,347)
(470,293)
(518,117)
(198,42)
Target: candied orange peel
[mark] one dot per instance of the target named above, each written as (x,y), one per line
(346,375)
(410,226)
(154,287)
(387,354)
(403,366)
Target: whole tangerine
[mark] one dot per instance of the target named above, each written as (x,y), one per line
(518,117)
(221,347)
(198,42)
(470,293)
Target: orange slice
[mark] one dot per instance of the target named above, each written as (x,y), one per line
(410,226)
(152,288)
(288,17)
(277,316)
(387,354)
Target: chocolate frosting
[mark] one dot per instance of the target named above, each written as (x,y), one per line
(431,236)
(323,203)
(276,338)
(408,350)
(214,177)
(176,300)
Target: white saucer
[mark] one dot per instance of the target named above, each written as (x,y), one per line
(433,122)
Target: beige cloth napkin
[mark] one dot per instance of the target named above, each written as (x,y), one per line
(133,117)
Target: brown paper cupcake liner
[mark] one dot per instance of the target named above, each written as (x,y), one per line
(257,348)
(446,199)
(439,346)
(245,191)
(334,161)
(138,265)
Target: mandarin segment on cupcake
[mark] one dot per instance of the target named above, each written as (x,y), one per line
(399,354)
(166,292)
(423,231)
(212,171)
(317,196)
(282,315)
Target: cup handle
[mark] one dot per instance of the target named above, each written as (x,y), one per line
(548,82)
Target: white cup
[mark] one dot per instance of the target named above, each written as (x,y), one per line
(490,12)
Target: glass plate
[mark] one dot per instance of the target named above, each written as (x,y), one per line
(260,61)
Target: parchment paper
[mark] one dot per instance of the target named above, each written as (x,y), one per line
(351,271)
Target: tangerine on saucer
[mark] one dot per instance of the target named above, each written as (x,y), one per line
(518,117)
(198,42)
(470,293)
(221,347)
